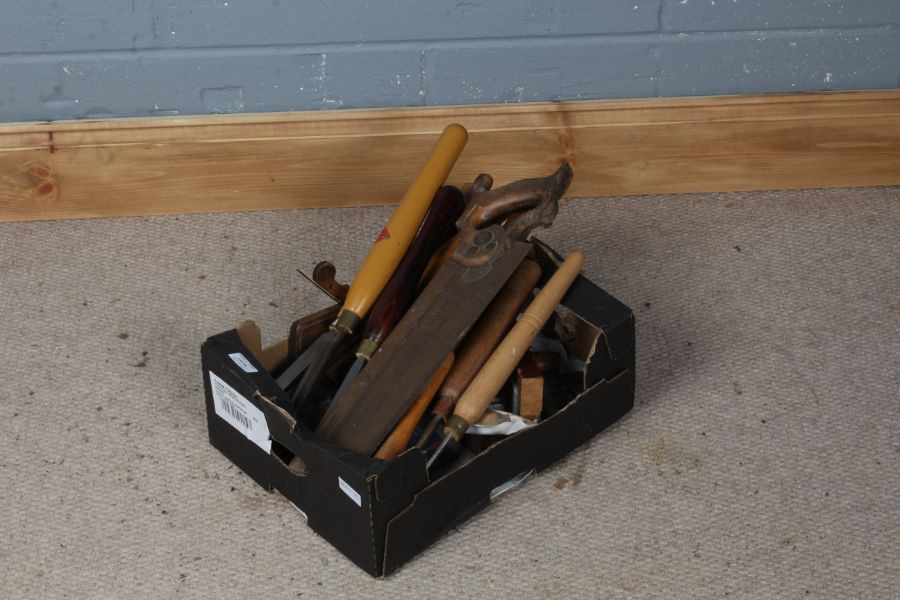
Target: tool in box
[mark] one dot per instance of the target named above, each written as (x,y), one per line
(457,363)
(481,341)
(383,258)
(399,293)
(399,437)
(487,255)
(478,395)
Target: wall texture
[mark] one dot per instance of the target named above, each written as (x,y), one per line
(64,59)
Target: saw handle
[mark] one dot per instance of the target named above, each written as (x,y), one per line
(399,292)
(393,241)
(539,196)
(503,361)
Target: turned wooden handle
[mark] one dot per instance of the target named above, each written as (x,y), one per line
(393,241)
(398,439)
(486,334)
(503,361)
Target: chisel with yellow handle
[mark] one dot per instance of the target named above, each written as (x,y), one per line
(475,400)
(383,258)
(400,292)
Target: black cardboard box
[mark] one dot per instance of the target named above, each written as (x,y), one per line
(380,514)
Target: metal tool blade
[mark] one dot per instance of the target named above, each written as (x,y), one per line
(437,452)
(331,341)
(351,375)
(296,368)
(432,328)
(429,429)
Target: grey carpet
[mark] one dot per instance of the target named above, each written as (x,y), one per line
(761,459)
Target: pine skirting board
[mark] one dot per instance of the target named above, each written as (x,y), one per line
(159,165)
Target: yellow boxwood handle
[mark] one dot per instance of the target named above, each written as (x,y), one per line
(397,235)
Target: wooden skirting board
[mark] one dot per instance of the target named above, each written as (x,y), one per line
(160,165)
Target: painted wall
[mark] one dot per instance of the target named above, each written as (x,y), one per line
(64,59)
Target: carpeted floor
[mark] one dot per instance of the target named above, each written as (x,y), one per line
(762,458)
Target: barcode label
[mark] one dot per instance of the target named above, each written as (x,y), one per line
(240,413)
(234,410)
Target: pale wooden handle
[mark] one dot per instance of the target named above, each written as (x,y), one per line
(488,331)
(398,439)
(503,361)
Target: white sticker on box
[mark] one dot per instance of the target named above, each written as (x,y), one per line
(240,413)
(354,495)
(241,361)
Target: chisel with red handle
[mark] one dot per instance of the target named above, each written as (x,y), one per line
(438,227)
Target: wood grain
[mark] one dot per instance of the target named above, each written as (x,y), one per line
(502,362)
(397,441)
(161,165)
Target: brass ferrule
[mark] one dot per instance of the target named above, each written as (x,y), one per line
(456,427)
(366,349)
(347,322)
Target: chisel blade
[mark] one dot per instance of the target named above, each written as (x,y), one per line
(296,368)
(351,375)
(362,417)
(331,342)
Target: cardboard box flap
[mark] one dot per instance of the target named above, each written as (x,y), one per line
(338,502)
(593,304)
(271,357)
(362,466)
(405,472)
(465,490)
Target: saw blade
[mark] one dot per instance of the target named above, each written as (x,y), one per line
(363,416)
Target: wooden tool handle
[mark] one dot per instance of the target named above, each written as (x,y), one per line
(486,334)
(503,361)
(490,206)
(324,275)
(398,439)
(401,228)
(398,294)
(438,259)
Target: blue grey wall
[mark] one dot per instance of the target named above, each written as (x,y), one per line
(66,59)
